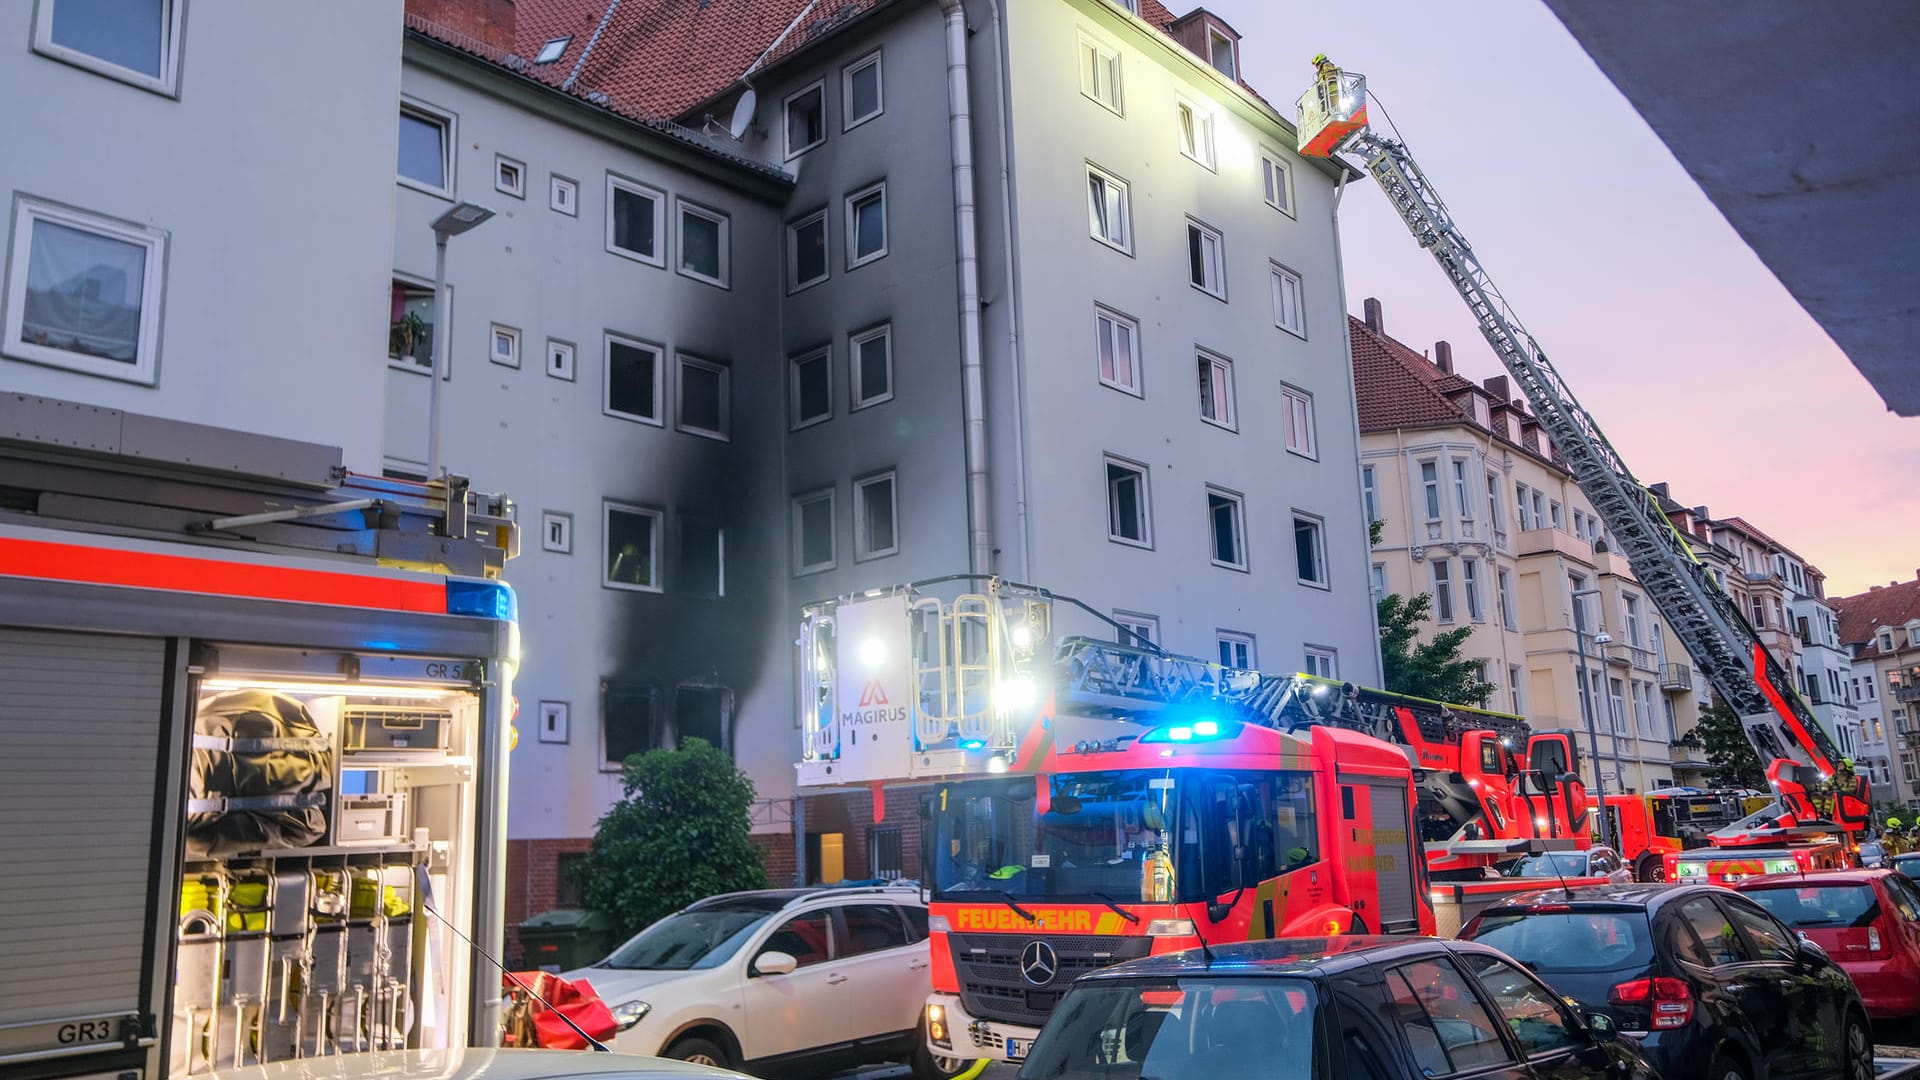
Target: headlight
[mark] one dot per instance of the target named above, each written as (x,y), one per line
(629,1013)
(937,1025)
(937,924)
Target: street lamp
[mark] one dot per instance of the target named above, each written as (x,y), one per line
(462,217)
(1601,640)
(1586,709)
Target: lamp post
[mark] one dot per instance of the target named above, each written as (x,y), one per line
(462,217)
(1586,709)
(1601,640)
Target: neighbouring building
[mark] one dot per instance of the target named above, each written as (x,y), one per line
(1881,630)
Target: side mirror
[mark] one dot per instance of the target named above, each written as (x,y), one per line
(1811,954)
(1601,1027)
(774,962)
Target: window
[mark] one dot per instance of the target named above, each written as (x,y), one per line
(1220,53)
(803,937)
(1278,178)
(510,176)
(636,215)
(1377,582)
(1559,519)
(872,928)
(1493,502)
(1117,346)
(634,373)
(506,346)
(563,195)
(1616,707)
(1462,502)
(876,514)
(1442,590)
(556,532)
(1514,675)
(560,359)
(1288,311)
(1369,495)
(1535,1014)
(552,50)
(1772,942)
(706,398)
(1525,507)
(860,91)
(84,292)
(632,547)
(1226,526)
(1216,390)
(871,353)
(1540,510)
(1310,550)
(1136,629)
(813,532)
(1236,650)
(1503,581)
(629,722)
(807,251)
(426,150)
(1109,215)
(134,41)
(1206,267)
(1470,585)
(810,389)
(1447,1028)
(410,329)
(1633,620)
(1430,487)
(866,225)
(1759,613)
(1196,132)
(1100,73)
(806,119)
(1299,406)
(703,244)
(1323,662)
(703,562)
(1129,519)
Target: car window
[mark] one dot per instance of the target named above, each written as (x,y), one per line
(1538,1021)
(1808,905)
(916,922)
(871,928)
(1682,945)
(1905,895)
(804,937)
(1717,937)
(1447,1027)
(1188,1029)
(1772,942)
(1551,942)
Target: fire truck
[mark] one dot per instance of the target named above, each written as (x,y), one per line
(1086,802)
(254,719)
(1652,826)
(1800,849)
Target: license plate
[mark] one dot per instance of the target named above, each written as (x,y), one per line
(1017,1049)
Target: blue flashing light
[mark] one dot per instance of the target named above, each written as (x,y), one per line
(1206,729)
(973,744)
(482,599)
(1194,731)
(1182,733)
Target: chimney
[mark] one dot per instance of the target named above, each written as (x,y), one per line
(1701,513)
(1496,388)
(1443,356)
(1875,588)
(489,22)
(1374,320)
(1659,489)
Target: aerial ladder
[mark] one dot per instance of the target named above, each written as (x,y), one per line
(1815,790)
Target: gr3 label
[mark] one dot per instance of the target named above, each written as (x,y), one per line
(86,1031)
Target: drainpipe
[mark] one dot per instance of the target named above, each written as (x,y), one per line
(972,384)
(1008,241)
(1346,344)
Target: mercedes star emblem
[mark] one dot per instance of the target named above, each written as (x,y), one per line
(1038,963)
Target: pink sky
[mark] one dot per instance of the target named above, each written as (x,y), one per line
(1703,371)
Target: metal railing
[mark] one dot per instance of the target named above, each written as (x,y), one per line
(1676,677)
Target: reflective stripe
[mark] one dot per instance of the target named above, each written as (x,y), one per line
(223,805)
(259,746)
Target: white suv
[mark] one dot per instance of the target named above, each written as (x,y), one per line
(827,978)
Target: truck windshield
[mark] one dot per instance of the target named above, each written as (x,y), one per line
(1132,836)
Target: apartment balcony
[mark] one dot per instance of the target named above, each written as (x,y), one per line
(1552,542)
(1905,694)
(1676,677)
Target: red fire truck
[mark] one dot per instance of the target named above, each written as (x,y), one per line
(1652,826)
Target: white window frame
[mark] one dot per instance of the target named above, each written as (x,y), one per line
(1106,58)
(1124,244)
(1443,608)
(681,362)
(794,284)
(1145,475)
(145,369)
(607,342)
(1503,585)
(1323,661)
(553,50)
(563,194)
(1215,39)
(556,532)
(848,120)
(1238,505)
(1135,622)
(1218,289)
(683,209)
(1462,489)
(1470,587)
(509,355)
(167,84)
(1369,494)
(786,122)
(1520,501)
(1430,489)
(854,258)
(1283,279)
(1219,366)
(445,300)
(1319,525)
(1377,583)
(1493,502)
(1274,168)
(1515,675)
(517,186)
(1299,409)
(608,507)
(560,359)
(1107,321)
(1236,646)
(854,341)
(799,539)
(450,124)
(824,356)
(1201,150)
(862,553)
(634,187)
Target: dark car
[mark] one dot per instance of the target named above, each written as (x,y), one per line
(1704,979)
(1354,1008)
(1872,854)
(1907,862)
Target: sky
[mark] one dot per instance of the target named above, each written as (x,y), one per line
(1700,367)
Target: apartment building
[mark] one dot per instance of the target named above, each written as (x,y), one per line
(1881,630)
(1478,513)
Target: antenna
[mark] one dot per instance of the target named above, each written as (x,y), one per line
(1205,950)
(743,113)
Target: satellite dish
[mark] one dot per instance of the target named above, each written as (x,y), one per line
(743,114)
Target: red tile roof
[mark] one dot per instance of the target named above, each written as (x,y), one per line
(1750,529)
(1395,387)
(1860,615)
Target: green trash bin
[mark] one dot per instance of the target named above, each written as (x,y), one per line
(565,939)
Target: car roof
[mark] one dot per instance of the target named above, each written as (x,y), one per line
(781,899)
(1630,894)
(1814,877)
(476,1063)
(1298,957)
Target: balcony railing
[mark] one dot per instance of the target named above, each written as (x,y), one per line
(1676,677)
(1643,659)
(1907,693)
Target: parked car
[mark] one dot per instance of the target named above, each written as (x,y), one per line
(770,981)
(1872,854)
(1356,1008)
(1597,861)
(1867,920)
(1907,862)
(474,1063)
(1704,979)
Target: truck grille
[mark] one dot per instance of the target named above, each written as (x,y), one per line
(992,988)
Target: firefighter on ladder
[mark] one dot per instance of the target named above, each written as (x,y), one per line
(1326,84)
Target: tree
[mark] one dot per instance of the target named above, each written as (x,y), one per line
(679,834)
(1434,670)
(1731,759)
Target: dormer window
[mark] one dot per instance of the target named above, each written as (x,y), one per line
(1221,54)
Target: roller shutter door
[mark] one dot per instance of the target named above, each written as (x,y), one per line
(80,738)
(1393,857)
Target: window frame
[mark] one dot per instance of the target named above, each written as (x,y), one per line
(1125,244)
(1111,55)
(449,124)
(1231,639)
(607,341)
(1280,277)
(853,199)
(556,532)
(861,552)
(541,57)
(847,72)
(609,507)
(1328,653)
(1319,526)
(1273,164)
(856,339)
(1441,573)
(681,362)
(1431,494)
(566,371)
(166,84)
(1102,317)
(1215,39)
(511,358)
(1290,397)
(557,184)
(682,209)
(1238,512)
(1369,494)
(615,183)
(797,543)
(786,119)
(1203,153)
(145,369)
(1207,232)
(1503,585)
(1216,363)
(518,188)
(404,362)
(794,284)
(823,354)
(1470,588)
(1132,622)
(1109,462)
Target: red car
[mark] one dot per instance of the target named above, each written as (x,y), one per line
(1868,921)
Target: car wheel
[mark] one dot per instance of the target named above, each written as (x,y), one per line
(1856,1045)
(1726,1068)
(699,1052)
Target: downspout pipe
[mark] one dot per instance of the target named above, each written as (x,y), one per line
(1010,243)
(973,396)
